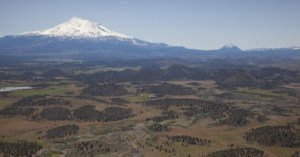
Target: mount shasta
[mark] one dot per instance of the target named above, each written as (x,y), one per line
(82,38)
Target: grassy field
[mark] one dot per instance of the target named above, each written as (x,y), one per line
(261,93)
(63,81)
(24,128)
(93,70)
(38,92)
(3,103)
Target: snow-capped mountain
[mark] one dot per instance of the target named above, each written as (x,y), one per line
(230,48)
(77,28)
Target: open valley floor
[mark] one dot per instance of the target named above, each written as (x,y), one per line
(82,110)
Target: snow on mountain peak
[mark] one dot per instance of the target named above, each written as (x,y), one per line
(78,28)
(229,46)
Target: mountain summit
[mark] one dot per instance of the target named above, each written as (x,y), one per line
(230,48)
(82,38)
(86,31)
(78,28)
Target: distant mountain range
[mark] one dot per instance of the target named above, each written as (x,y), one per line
(82,38)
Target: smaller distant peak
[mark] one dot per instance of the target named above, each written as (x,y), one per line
(230,47)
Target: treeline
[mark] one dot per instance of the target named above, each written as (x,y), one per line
(238,152)
(282,136)
(159,128)
(27,101)
(169,89)
(19,149)
(62,131)
(190,140)
(104,90)
(38,100)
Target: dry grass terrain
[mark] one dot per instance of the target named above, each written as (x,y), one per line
(131,136)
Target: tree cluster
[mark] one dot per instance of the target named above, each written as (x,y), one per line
(91,148)
(159,128)
(204,106)
(238,152)
(262,118)
(236,118)
(55,113)
(216,115)
(191,111)
(38,100)
(190,140)
(194,83)
(119,100)
(19,148)
(13,111)
(283,136)
(88,112)
(69,92)
(279,111)
(117,113)
(62,131)
(296,154)
(169,89)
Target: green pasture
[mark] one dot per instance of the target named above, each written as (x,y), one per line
(40,92)
(62,81)
(3,103)
(261,93)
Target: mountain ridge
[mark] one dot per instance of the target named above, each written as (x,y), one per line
(80,38)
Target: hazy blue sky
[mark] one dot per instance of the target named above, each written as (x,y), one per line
(195,24)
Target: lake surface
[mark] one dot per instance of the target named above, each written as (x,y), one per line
(7,89)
